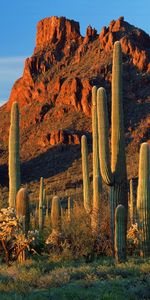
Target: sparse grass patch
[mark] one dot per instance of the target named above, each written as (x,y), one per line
(101,279)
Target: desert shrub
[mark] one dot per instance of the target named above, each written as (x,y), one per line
(13,241)
(77,239)
(133,238)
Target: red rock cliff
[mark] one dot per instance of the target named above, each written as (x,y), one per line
(58,77)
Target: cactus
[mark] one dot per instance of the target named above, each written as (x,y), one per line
(120,234)
(95,218)
(132,202)
(85,171)
(47,207)
(44,197)
(143,199)
(56,215)
(97,183)
(70,208)
(22,208)
(41,200)
(36,216)
(96,166)
(114,173)
(14,159)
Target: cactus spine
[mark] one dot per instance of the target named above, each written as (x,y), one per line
(120,234)
(14,159)
(85,172)
(41,200)
(143,199)
(113,174)
(22,208)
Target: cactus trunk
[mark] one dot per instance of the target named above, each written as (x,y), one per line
(70,208)
(143,199)
(95,218)
(132,203)
(56,215)
(97,182)
(96,166)
(22,208)
(115,174)
(14,159)
(85,172)
(41,200)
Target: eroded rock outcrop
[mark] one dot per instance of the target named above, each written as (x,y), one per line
(58,77)
(135,42)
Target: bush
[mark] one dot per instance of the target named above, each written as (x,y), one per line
(77,239)
(14,243)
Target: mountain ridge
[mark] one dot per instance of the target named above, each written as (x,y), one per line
(54,92)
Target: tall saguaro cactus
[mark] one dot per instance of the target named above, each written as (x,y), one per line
(120,234)
(143,199)
(114,173)
(96,166)
(14,158)
(85,171)
(97,183)
(41,201)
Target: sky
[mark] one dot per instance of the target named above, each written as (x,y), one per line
(18,20)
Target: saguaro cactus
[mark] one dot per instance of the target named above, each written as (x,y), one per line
(56,215)
(70,208)
(95,218)
(97,183)
(120,234)
(14,159)
(132,201)
(143,199)
(96,166)
(41,201)
(22,208)
(85,172)
(113,174)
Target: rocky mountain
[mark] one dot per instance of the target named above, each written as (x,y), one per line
(54,96)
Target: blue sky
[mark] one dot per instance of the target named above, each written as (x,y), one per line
(18,19)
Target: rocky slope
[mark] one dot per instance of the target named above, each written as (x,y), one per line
(54,96)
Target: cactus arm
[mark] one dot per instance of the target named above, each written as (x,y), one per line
(120,234)
(103,132)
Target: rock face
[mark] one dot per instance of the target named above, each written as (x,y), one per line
(60,137)
(58,71)
(57,31)
(54,92)
(134,42)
